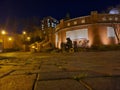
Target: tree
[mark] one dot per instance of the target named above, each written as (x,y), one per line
(116,28)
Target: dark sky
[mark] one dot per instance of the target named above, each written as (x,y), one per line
(54,8)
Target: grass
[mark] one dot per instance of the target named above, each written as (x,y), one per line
(78,77)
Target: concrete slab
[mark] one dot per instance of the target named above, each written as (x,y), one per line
(49,68)
(5,67)
(25,72)
(103,83)
(4,73)
(67,75)
(29,66)
(17,82)
(65,84)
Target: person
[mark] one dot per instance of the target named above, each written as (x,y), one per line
(75,46)
(68,44)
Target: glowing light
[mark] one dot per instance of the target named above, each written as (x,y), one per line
(3,32)
(114,11)
(9,38)
(28,38)
(77,34)
(33,46)
(24,32)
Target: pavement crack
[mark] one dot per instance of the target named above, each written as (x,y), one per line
(6,74)
(35,81)
(53,79)
(86,85)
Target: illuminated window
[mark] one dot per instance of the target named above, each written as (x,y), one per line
(104,19)
(54,25)
(75,22)
(110,18)
(68,24)
(42,27)
(116,18)
(77,34)
(83,21)
(110,32)
(48,24)
(48,21)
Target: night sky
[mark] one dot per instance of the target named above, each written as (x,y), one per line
(22,9)
(54,8)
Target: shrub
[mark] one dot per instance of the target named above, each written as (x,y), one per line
(105,47)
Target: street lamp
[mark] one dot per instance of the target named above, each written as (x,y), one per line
(28,38)
(10,42)
(9,38)
(24,32)
(3,33)
(24,40)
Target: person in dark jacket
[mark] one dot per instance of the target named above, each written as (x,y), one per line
(68,44)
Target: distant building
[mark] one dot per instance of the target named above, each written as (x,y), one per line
(8,42)
(94,29)
(48,25)
(48,22)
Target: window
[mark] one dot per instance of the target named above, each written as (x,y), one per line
(104,19)
(42,27)
(48,20)
(68,24)
(110,18)
(53,25)
(83,21)
(116,18)
(110,32)
(77,34)
(75,22)
(48,24)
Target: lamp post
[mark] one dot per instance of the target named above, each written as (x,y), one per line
(9,38)
(3,33)
(28,38)
(24,43)
(24,32)
(10,43)
(28,42)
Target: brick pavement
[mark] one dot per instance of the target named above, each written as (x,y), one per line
(62,71)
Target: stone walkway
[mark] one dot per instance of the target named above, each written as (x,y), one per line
(60,71)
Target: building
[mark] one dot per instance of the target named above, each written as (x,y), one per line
(48,25)
(48,22)
(10,42)
(94,29)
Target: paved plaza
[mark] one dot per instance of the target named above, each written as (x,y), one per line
(60,71)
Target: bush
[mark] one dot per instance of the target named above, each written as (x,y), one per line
(11,49)
(105,47)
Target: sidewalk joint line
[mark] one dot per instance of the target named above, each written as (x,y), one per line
(86,85)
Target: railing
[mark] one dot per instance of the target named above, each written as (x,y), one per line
(99,18)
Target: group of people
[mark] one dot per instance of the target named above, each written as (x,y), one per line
(73,46)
